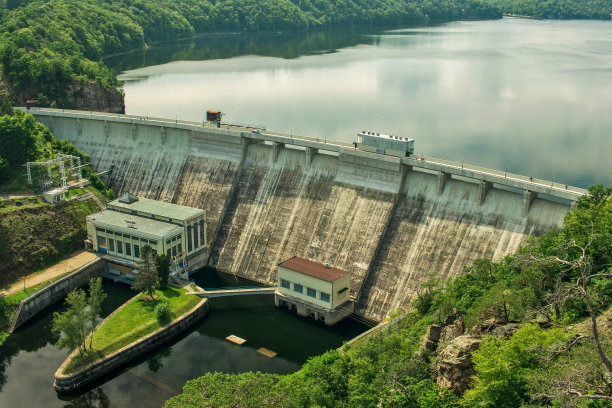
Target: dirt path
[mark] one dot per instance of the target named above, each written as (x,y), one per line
(52,272)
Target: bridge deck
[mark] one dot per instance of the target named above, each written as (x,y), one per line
(237,291)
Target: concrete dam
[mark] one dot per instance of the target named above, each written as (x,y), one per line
(389,221)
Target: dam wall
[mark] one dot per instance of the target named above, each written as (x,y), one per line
(390,221)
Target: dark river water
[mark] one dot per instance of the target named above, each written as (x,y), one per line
(533,97)
(30,357)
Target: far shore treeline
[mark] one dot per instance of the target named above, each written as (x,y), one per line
(51,49)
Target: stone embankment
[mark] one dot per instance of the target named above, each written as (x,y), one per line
(55,292)
(71,382)
(389,221)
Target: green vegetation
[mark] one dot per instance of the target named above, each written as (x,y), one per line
(556,9)
(134,321)
(8,304)
(162,263)
(146,280)
(81,317)
(561,279)
(33,234)
(162,311)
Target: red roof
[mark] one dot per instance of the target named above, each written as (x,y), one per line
(314,269)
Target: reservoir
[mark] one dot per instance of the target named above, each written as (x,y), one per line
(529,96)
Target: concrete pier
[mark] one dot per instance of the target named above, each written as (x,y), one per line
(268,196)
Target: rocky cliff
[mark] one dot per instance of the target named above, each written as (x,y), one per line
(93,96)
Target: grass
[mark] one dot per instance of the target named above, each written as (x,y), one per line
(12,204)
(97,193)
(73,192)
(136,320)
(17,183)
(10,303)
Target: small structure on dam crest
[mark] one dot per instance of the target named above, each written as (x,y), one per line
(314,290)
(385,144)
(131,222)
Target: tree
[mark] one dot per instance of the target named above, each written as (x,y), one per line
(81,317)
(163,268)
(96,297)
(4,170)
(17,137)
(584,254)
(146,279)
(571,375)
(73,323)
(502,366)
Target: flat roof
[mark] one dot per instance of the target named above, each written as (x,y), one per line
(383,136)
(117,221)
(159,208)
(314,269)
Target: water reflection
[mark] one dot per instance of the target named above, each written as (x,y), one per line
(156,361)
(531,97)
(91,399)
(225,46)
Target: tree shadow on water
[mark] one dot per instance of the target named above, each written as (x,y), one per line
(96,398)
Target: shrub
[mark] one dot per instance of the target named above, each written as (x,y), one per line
(162,311)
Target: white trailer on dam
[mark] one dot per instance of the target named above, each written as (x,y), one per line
(385,144)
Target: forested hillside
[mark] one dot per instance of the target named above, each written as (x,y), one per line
(529,324)
(51,49)
(556,9)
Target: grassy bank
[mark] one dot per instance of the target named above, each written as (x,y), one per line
(133,321)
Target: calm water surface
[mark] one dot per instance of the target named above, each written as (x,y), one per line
(531,96)
(30,357)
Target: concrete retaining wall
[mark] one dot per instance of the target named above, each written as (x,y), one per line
(56,291)
(66,383)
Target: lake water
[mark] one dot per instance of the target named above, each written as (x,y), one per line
(533,97)
(30,357)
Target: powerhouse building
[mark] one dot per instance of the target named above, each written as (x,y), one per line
(314,290)
(131,222)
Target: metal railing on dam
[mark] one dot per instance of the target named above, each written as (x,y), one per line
(388,220)
(445,168)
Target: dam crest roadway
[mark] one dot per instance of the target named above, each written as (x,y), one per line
(388,220)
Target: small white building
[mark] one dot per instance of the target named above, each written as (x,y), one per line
(131,222)
(55,196)
(313,289)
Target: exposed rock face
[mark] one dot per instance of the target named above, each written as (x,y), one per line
(499,329)
(455,369)
(430,341)
(451,331)
(93,96)
(506,330)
